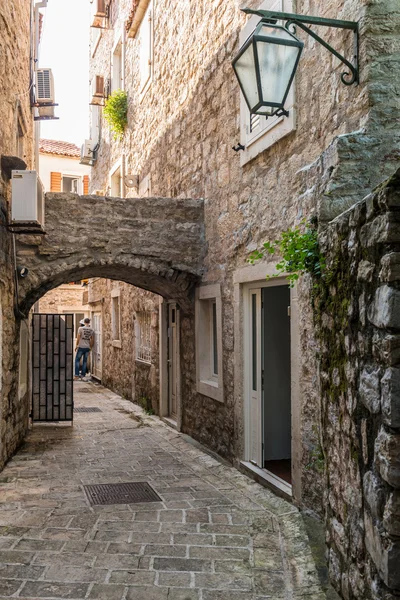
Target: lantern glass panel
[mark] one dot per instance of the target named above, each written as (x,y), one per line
(276,64)
(247,74)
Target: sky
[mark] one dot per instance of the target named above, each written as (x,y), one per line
(65,50)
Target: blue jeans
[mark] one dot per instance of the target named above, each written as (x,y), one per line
(81,352)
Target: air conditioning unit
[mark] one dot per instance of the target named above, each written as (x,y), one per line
(87,155)
(27,199)
(98,90)
(44,86)
(98,13)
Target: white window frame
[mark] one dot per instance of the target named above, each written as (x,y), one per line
(208,382)
(147,21)
(143,336)
(116,298)
(118,58)
(71,176)
(95,114)
(272,129)
(118,166)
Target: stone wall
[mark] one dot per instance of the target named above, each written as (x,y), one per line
(63,298)
(133,379)
(357,312)
(14,104)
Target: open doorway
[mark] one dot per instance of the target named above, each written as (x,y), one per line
(268,411)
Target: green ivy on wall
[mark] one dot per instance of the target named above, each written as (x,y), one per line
(116,113)
(300,253)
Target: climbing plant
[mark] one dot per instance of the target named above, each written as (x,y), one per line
(300,252)
(116,112)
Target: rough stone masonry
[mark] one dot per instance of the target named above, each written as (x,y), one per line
(357,314)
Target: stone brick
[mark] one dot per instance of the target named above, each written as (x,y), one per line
(390,399)
(369,389)
(385,553)
(374,494)
(391,515)
(385,308)
(387,457)
(45,589)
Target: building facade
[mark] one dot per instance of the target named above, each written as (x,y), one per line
(60,169)
(248,381)
(19,44)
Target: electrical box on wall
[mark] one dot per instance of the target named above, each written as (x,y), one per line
(27,200)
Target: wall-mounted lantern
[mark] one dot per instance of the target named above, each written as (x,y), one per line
(267,62)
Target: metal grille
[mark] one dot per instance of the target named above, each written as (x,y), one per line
(121,493)
(52,367)
(143,336)
(87,409)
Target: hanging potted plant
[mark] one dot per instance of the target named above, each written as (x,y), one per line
(116,113)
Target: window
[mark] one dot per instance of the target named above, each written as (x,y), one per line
(116,318)
(146,49)
(143,336)
(117,66)
(209,341)
(71,183)
(256,132)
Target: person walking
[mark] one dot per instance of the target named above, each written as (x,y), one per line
(84,344)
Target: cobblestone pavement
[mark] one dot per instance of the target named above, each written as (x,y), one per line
(216,535)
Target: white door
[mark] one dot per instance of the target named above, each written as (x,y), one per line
(96,350)
(172,362)
(255,379)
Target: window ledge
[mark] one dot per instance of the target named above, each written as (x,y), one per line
(210,389)
(143,362)
(117,343)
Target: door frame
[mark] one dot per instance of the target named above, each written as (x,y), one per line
(92,313)
(164,376)
(246,279)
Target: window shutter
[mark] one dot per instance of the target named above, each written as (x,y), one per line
(55,182)
(86,185)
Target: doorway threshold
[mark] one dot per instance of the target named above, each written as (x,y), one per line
(170,422)
(268,479)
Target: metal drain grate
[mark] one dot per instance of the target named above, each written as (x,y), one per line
(121,493)
(87,409)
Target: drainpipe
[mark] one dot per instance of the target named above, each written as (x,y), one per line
(37,6)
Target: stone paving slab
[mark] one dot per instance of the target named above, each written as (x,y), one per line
(216,535)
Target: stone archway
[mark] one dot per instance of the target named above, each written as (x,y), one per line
(154,243)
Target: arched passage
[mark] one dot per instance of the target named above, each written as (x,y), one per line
(154,243)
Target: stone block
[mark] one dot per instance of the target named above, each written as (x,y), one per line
(374,494)
(385,553)
(391,515)
(390,267)
(365,270)
(390,397)
(384,310)
(369,389)
(387,457)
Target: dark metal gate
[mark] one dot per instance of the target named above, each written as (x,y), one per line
(52,367)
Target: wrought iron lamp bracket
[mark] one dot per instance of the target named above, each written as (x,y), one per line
(302,21)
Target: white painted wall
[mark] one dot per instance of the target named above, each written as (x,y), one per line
(61,164)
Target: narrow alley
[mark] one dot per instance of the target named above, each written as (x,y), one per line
(215,534)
